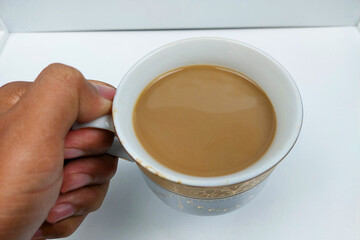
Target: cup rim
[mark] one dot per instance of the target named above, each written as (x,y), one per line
(223,180)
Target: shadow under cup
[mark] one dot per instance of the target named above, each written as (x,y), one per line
(210,195)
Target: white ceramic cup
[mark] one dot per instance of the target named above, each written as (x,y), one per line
(206,195)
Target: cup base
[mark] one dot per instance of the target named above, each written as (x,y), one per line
(204,207)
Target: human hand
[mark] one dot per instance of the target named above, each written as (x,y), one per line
(38,188)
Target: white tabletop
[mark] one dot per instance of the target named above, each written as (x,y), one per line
(313,194)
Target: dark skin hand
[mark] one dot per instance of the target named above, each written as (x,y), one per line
(51,177)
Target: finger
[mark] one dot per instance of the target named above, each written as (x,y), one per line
(70,210)
(11,93)
(88,171)
(107,92)
(61,229)
(59,96)
(79,202)
(88,141)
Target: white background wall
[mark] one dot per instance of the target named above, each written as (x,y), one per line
(74,15)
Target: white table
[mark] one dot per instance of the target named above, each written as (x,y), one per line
(313,194)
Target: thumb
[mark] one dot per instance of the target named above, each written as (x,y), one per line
(61,95)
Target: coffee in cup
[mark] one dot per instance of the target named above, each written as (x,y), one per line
(204,120)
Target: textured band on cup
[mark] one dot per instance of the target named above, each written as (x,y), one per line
(206,192)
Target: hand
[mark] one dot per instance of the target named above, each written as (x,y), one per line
(40,192)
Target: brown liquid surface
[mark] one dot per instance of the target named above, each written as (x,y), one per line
(204,121)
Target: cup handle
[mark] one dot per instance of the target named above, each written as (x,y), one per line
(106,123)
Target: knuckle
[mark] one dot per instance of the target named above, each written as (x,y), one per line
(66,74)
(8,85)
(56,67)
(14,87)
